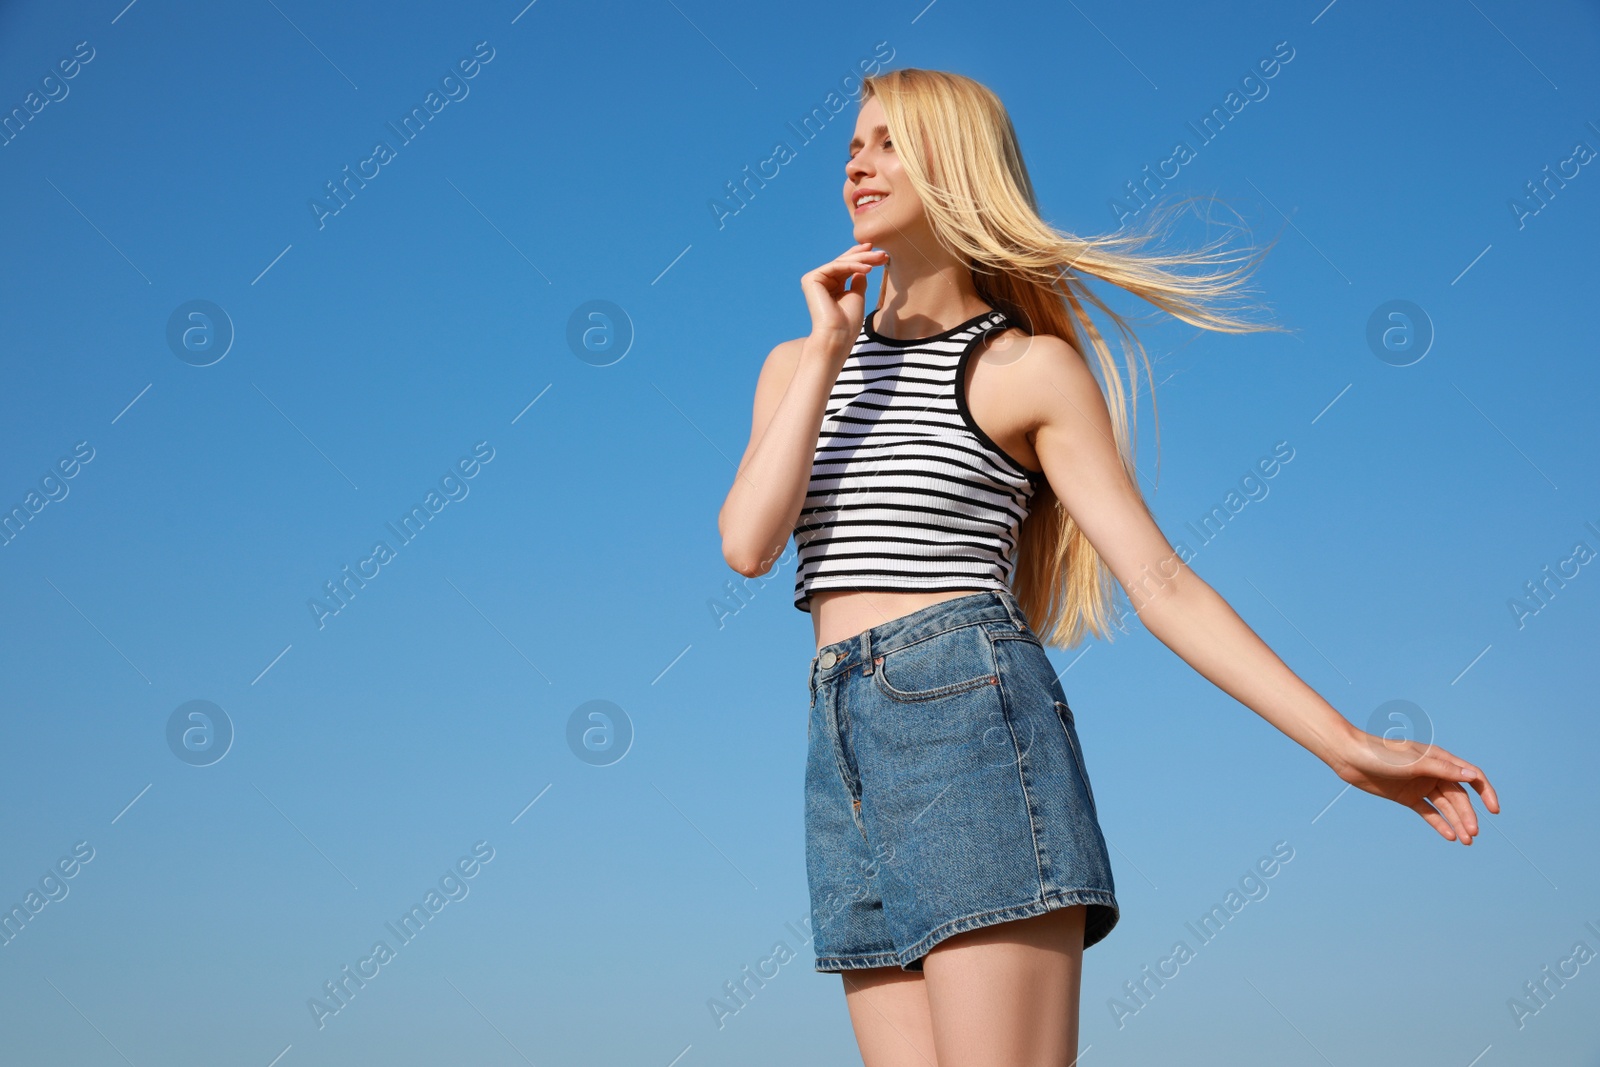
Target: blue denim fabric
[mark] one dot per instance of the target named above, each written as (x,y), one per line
(945,787)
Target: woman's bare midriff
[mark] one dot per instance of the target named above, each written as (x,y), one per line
(840,614)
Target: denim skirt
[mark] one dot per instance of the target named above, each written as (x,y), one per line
(945,787)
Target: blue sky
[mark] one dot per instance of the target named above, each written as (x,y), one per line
(420,339)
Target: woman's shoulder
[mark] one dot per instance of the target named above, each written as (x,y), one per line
(777,371)
(787,351)
(1012,344)
(782,360)
(1028,374)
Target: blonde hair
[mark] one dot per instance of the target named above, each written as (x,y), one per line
(959,150)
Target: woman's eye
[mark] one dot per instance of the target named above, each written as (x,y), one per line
(887,143)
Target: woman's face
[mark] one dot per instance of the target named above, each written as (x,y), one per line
(873,172)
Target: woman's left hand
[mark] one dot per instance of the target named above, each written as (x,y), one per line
(1411,774)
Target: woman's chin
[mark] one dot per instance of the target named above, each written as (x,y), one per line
(871,231)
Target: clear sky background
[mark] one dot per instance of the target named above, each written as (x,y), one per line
(354,358)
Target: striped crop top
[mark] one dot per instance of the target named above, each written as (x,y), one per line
(906,492)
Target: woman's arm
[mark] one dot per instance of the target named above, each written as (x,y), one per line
(761,509)
(769,488)
(1073,438)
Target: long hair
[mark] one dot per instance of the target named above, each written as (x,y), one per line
(956,142)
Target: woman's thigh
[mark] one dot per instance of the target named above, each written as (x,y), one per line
(889,1012)
(998,996)
(1007,995)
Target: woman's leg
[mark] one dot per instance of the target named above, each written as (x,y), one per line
(1007,995)
(889,1011)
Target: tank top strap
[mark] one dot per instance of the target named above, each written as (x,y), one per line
(981,327)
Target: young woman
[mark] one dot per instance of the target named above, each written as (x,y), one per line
(958,487)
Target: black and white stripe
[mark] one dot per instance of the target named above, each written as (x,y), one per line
(907,493)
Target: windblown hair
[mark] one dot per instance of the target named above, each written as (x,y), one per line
(959,150)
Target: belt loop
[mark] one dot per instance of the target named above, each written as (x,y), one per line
(1013,609)
(866,653)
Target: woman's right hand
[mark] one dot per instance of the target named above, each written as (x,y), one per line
(837,300)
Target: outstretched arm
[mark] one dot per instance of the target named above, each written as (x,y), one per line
(1073,438)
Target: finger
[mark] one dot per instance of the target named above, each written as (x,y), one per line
(1465,770)
(850,263)
(1472,774)
(1441,764)
(1434,819)
(871,256)
(1447,808)
(1451,800)
(833,271)
(854,255)
(1451,816)
(1463,800)
(834,277)
(1480,781)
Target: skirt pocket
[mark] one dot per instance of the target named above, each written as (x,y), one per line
(956,661)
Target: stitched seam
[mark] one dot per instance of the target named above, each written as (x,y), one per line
(874,959)
(1022,780)
(1062,898)
(1083,772)
(852,783)
(919,695)
(836,741)
(1018,637)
